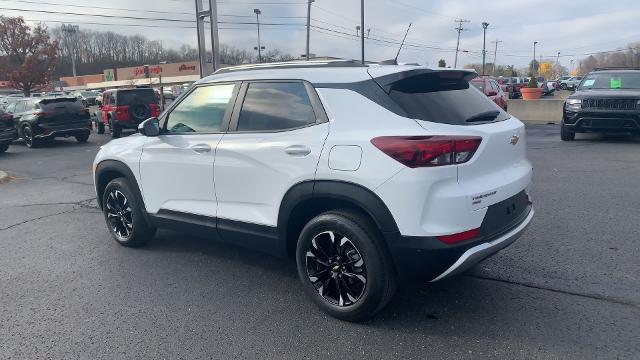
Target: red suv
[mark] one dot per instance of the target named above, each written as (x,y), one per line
(492,89)
(126,109)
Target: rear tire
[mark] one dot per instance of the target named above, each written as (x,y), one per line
(563,86)
(100,127)
(115,129)
(565,134)
(82,138)
(123,215)
(357,279)
(27,136)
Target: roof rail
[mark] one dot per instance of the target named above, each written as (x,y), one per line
(616,68)
(291,65)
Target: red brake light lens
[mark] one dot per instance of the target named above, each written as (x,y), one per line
(459,237)
(428,151)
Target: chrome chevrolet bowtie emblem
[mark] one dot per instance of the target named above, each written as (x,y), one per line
(514,139)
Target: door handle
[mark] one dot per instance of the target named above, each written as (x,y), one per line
(201,148)
(297,150)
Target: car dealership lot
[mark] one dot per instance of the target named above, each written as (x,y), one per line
(569,288)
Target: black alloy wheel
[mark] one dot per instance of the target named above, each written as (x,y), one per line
(344,265)
(27,136)
(119,215)
(336,268)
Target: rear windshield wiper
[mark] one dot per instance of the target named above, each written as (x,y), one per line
(484,116)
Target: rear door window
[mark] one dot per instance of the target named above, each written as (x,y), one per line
(275,106)
(444,97)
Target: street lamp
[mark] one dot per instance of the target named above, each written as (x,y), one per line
(258,12)
(485,25)
(533,64)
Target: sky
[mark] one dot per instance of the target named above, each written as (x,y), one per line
(573,28)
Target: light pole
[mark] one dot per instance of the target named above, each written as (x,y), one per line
(160,81)
(485,25)
(308,25)
(258,12)
(533,64)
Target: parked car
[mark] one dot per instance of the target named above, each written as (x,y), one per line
(126,109)
(4,102)
(88,98)
(8,131)
(98,100)
(606,101)
(511,85)
(56,94)
(570,83)
(41,119)
(491,89)
(416,174)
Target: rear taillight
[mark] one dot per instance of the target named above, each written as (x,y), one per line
(459,237)
(42,113)
(428,151)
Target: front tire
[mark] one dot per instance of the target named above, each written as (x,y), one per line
(123,215)
(563,86)
(566,134)
(344,266)
(4,147)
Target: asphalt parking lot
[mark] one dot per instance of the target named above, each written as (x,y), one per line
(568,289)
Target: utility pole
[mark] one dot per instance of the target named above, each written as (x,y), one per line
(70,31)
(215,44)
(558,58)
(533,64)
(308,25)
(362,28)
(485,25)
(495,54)
(258,12)
(202,50)
(459,29)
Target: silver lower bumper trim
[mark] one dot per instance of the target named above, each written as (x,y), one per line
(480,252)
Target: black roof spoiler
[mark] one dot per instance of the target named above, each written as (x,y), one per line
(386,81)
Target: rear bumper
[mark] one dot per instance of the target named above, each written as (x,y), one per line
(7,136)
(482,251)
(427,258)
(63,131)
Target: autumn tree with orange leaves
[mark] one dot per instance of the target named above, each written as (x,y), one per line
(27,56)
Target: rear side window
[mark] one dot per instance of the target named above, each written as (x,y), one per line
(144,96)
(272,106)
(445,98)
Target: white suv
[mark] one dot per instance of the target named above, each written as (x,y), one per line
(366,175)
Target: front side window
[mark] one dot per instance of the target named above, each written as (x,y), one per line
(273,106)
(202,111)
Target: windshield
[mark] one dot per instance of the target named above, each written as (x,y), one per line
(611,80)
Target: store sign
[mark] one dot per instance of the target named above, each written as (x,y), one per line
(185,67)
(153,70)
(109,75)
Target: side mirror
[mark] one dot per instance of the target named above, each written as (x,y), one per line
(150,127)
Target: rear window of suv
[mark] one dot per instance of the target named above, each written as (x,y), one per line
(127,97)
(444,97)
(70,104)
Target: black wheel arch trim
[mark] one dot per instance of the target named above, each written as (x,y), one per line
(355,194)
(114,166)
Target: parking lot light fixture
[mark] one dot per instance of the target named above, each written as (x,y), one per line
(485,25)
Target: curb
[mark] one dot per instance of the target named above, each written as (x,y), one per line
(4,177)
